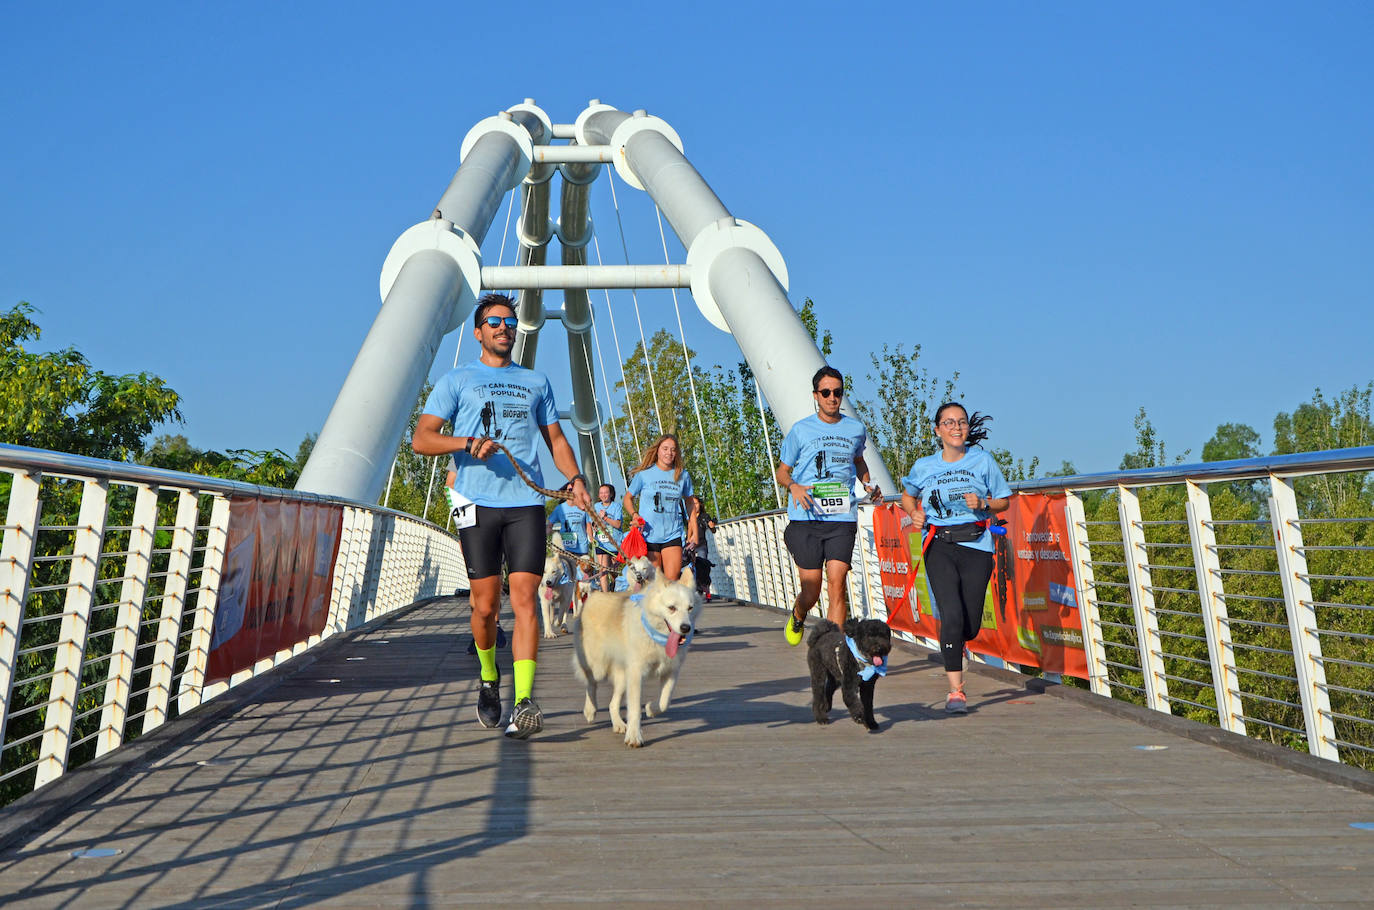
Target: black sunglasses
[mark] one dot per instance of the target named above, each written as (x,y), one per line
(495,321)
(826,393)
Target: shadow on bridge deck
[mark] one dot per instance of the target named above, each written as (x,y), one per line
(363,780)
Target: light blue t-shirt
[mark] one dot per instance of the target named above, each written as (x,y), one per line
(509,404)
(661,501)
(570,523)
(820,451)
(613,511)
(941,485)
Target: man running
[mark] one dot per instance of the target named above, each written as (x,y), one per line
(820,458)
(486,399)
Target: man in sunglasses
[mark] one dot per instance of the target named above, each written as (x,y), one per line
(480,399)
(820,458)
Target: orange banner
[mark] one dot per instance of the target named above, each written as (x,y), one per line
(1030,614)
(277,577)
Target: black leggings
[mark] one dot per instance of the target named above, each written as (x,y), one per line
(958,577)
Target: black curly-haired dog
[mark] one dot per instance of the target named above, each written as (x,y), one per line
(834,665)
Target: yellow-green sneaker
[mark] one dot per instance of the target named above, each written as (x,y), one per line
(792,630)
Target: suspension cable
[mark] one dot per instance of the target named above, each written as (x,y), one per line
(644,345)
(687,363)
(763,421)
(615,336)
(610,411)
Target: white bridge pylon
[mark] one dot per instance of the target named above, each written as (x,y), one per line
(433,276)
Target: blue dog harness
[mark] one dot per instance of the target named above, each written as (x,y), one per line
(866,670)
(659,638)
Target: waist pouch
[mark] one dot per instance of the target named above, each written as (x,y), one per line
(962,533)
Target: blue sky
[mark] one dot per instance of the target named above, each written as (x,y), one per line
(1083,208)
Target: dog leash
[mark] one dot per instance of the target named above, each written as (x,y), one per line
(555,494)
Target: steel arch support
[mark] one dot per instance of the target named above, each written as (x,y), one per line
(429,285)
(737,261)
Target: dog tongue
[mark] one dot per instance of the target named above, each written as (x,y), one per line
(674,640)
(877,660)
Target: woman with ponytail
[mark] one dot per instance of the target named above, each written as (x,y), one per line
(952,496)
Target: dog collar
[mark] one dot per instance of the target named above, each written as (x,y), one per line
(659,638)
(867,670)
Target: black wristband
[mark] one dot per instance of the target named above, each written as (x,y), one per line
(467,446)
(577,477)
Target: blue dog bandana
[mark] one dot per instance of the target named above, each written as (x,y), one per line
(868,670)
(659,638)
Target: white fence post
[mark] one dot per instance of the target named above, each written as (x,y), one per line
(173,605)
(192,690)
(1215,620)
(1302,619)
(16,557)
(1148,644)
(71,643)
(1080,554)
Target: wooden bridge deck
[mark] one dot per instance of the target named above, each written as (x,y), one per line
(368,783)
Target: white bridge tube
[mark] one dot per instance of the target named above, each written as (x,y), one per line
(427,294)
(738,278)
(585,277)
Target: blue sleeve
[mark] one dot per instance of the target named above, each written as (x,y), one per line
(636,484)
(791,449)
(443,398)
(687,485)
(997,484)
(909,483)
(547,407)
(556,516)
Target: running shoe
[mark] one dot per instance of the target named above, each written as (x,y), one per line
(957,703)
(526,720)
(489,703)
(793,629)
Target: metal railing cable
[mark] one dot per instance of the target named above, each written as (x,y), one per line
(108,621)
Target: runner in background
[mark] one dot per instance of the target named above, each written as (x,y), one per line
(664,488)
(613,514)
(820,459)
(959,489)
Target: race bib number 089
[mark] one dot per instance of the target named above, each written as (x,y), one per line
(832,497)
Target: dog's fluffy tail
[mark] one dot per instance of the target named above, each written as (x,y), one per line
(822,627)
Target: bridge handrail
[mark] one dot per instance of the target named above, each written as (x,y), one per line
(1213,580)
(110,583)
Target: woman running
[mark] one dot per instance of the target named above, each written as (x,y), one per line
(958,490)
(604,545)
(666,504)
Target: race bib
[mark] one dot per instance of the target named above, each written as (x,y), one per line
(463,510)
(569,539)
(832,497)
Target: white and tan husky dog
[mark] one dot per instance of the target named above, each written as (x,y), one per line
(557,589)
(628,638)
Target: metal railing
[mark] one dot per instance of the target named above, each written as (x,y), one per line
(1238,593)
(109,582)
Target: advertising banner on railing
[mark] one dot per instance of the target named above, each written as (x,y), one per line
(277,577)
(1030,615)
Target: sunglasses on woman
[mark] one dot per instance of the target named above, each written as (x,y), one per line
(495,321)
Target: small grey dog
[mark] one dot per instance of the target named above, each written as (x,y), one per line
(851,660)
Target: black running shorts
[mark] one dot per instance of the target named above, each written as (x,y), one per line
(813,543)
(516,533)
(667,544)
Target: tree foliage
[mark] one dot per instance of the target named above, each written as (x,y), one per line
(58,401)
(901,421)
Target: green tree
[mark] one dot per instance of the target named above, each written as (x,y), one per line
(58,401)
(900,422)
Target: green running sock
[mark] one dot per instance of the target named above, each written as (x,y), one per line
(524,679)
(487,658)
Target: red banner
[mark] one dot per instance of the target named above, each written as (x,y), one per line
(1030,614)
(277,577)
